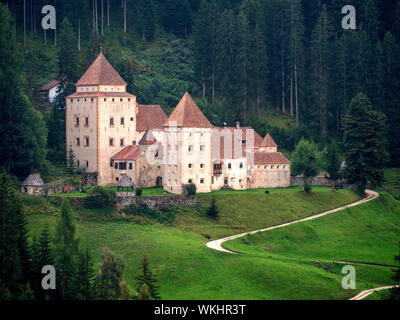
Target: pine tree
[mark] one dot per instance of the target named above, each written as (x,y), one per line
(13,246)
(71,165)
(66,251)
(365,143)
(69,71)
(85,276)
(333,163)
(322,50)
(147,277)
(22,129)
(213,211)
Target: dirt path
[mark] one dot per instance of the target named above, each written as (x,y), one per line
(217,244)
(366,293)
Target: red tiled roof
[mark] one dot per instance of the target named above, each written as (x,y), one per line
(268,142)
(233,154)
(148,139)
(128,153)
(270,158)
(49,85)
(150,117)
(187,114)
(101,72)
(101,95)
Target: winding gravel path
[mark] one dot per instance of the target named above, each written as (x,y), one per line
(217,244)
(371,195)
(366,293)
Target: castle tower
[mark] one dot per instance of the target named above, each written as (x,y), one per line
(188,147)
(100,119)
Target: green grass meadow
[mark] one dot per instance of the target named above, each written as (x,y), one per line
(302,261)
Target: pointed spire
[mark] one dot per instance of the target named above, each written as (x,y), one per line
(187,114)
(101,72)
(268,142)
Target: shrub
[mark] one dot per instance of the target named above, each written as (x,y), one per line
(100,197)
(142,209)
(307,188)
(190,189)
(138,192)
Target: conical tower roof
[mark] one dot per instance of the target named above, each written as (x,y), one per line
(268,142)
(187,114)
(101,72)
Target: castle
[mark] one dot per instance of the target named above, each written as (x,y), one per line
(114,136)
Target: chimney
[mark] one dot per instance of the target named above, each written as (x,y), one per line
(237,125)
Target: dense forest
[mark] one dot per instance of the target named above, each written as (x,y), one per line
(240,59)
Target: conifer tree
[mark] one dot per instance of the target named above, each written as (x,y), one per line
(213,211)
(365,143)
(66,252)
(147,277)
(332,163)
(22,129)
(85,276)
(71,165)
(144,293)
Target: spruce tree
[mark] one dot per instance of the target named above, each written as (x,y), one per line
(213,211)
(13,247)
(365,143)
(66,246)
(22,129)
(85,277)
(144,293)
(332,163)
(147,277)
(71,165)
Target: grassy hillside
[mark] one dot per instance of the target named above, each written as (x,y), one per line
(365,236)
(187,269)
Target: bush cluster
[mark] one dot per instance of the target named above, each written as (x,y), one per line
(166,215)
(100,197)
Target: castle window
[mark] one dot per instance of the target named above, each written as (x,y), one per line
(112,100)
(241,165)
(116,179)
(130,166)
(78,142)
(86,121)
(202,165)
(190,148)
(72,100)
(92,99)
(129,99)
(105,99)
(229,166)
(111,142)
(202,148)
(76,121)
(190,180)
(201,180)
(85,99)
(116,166)
(122,166)
(121,142)
(86,142)
(120,99)
(131,118)
(86,163)
(122,121)
(190,165)
(77,163)
(111,121)
(111,163)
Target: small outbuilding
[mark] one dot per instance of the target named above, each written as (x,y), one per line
(125,184)
(33,184)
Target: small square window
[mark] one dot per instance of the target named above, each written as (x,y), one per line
(111,121)
(190,165)
(202,165)
(112,142)
(111,163)
(202,148)
(201,180)
(130,166)
(131,118)
(122,121)
(229,165)
(121,142)
(190,180)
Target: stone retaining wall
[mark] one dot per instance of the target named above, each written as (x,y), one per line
(125,199)
(320,181)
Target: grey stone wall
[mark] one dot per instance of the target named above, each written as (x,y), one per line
(125,199)
(320,181)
